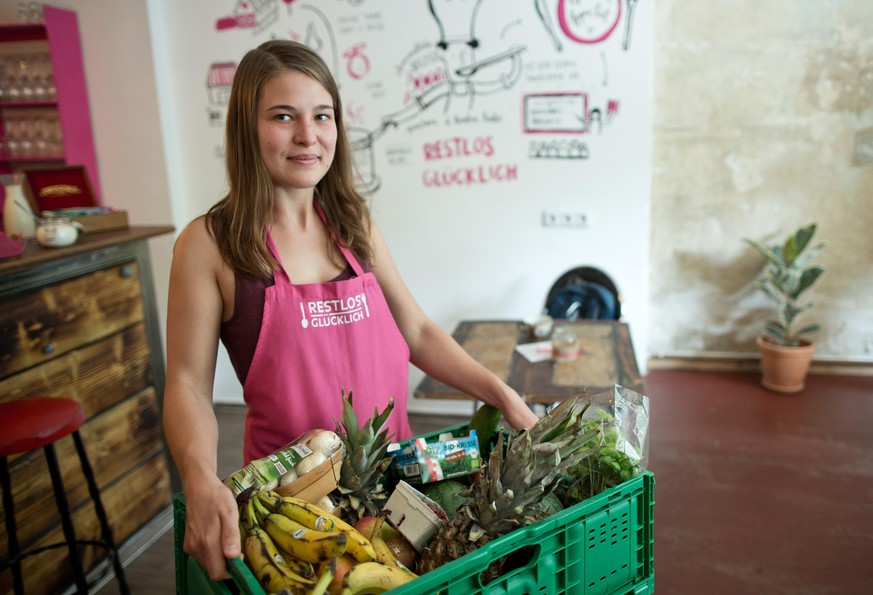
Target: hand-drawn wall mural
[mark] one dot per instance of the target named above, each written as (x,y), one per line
(435,83)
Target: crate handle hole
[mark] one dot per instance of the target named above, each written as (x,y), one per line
(521,558)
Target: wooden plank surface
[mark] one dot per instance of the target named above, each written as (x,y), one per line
(41,325)
(608,359)
(34,254)
(491,343)
(98,374)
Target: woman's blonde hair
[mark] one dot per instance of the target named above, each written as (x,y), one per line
(237,222)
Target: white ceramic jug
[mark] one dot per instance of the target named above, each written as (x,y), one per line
(18,218)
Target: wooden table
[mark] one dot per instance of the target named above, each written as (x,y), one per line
(608,359)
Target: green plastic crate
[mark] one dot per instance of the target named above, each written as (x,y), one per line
(601,546)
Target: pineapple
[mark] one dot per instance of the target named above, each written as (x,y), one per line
(360,492)
(510,490)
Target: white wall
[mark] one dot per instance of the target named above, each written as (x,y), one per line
(465,251)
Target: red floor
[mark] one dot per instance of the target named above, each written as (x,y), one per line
(758,492)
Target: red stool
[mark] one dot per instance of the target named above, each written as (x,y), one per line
(25,425)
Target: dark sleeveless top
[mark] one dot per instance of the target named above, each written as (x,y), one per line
(241,332)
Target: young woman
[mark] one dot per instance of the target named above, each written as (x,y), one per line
(292,275)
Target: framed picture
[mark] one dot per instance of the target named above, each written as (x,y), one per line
(56,188)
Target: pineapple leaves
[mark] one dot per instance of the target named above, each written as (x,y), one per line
(522,469)
(380,419)
(349,419)
(365,462)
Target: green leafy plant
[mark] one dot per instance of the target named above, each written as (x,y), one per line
(789,272)
(608,466)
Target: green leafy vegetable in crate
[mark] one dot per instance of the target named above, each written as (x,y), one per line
(509,492)
(619,444)
(607,468)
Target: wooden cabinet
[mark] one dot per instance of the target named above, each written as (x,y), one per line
(81,322)
(46,128)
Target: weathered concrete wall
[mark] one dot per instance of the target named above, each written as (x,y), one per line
(763,122)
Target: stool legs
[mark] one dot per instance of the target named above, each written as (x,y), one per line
(66,521)
(101,514)
(6,484)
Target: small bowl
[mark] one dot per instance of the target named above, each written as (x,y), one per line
(57,233)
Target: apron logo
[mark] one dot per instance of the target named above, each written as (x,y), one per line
(324,313)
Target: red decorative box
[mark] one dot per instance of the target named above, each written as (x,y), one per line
(60,188)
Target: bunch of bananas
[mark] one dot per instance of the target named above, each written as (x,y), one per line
(294,547)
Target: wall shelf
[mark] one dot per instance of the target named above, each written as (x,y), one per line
(61,34)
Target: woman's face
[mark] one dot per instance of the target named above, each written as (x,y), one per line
(296,130)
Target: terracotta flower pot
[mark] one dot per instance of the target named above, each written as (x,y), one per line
(784,369)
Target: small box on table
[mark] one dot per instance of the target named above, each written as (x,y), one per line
(57,188)
(93,219)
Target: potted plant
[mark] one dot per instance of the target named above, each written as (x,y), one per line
(785,350)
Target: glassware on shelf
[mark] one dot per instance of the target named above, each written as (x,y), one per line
(25,148)
(40,140)
(11,138)
(27,77)
(25,81)
(11,82)
(39,77)
(32,135)
(35,13)
(30,12)
(22,13)
(48,77)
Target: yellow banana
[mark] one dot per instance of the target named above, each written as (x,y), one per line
(259,510)
(272,581)
(245,522)
(318,519)
(302,542)
(373,577)
(298,566)
(247,518)
(269,567)
(327,573)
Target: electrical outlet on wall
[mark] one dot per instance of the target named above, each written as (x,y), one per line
(565,219)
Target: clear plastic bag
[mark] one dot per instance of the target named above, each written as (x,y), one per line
(620,451)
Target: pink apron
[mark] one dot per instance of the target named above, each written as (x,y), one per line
(317,340)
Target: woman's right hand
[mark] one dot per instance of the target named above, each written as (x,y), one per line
(211,526)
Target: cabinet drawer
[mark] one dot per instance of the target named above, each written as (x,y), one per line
(98,375)
(41,325)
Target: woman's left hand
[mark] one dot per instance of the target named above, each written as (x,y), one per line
(517,413)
